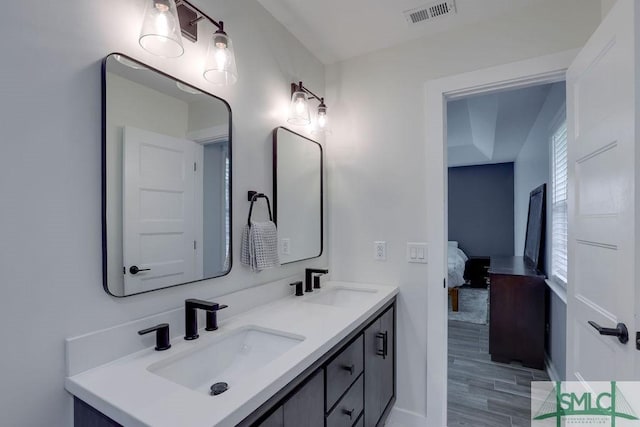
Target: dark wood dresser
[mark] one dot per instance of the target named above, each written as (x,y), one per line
(517,312)
(477,271)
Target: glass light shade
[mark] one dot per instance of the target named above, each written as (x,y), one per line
(220,67)
(160,32)
(299,109)
(322,116)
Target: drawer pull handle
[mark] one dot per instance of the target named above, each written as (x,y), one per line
(351,369)
(349,412)
(382,336)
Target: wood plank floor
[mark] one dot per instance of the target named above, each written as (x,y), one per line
(483,393)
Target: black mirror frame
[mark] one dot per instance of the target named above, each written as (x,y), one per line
(275,187)
(105,282)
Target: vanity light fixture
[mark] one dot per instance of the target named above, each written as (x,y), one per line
(160,33)
(299,108)
(164,22)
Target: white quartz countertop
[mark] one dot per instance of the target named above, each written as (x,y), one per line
(126,391)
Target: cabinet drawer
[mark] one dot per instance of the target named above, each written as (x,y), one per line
(343,371)
(349,408)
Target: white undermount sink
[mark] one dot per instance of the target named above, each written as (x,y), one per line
(341,296)
(231,358)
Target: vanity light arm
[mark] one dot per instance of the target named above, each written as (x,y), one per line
(219,24)
(299,86)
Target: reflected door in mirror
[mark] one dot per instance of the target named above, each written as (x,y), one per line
(162,210)
(166,182)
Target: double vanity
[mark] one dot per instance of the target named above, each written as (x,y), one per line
(313,357)
(324,358)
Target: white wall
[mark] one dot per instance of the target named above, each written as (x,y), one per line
(50,127)
(531,169)
(532,166)
(377,161)
(606,7)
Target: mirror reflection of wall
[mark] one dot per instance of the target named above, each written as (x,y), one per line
(298,195)
(167,180)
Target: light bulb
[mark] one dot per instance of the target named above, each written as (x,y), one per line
(322,115)
(300,106)
(221,58)
(322,120)
(299,109)
(162,26)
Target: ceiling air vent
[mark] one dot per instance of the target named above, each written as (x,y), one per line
(430,11)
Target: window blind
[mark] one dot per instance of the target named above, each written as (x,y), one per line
(559,212)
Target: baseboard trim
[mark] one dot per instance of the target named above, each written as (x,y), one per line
(550,368)
(404,418)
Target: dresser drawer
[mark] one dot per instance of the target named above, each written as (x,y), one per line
(343,371)
(349,408)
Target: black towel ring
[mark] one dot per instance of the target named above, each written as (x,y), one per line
(252,196)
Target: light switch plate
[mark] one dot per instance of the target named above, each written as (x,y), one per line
(417,252)
(380,251)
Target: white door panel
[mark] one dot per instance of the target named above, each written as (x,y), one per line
(601,110)
(162,210)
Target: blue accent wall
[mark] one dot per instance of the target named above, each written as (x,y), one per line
(481,206)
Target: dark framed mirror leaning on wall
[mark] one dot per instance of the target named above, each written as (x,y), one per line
(298,195)
(166,180)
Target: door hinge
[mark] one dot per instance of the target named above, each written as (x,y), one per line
(637,340)
(194,245)
(195,166)
(444,282)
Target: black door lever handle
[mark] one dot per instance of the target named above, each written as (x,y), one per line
(620,331)
(135,270)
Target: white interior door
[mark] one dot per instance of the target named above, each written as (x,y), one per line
(601,119)
(162,210)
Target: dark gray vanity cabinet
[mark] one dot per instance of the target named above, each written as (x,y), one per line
(379,358)
(276,419)
(304,409)
(358,387)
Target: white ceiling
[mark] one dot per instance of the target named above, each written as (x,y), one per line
(335,30)
(492,128)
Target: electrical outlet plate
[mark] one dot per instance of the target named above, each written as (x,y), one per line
(417,252)
(286,246)
(380,251)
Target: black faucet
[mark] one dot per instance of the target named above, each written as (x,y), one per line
(162,336)
(191,307)
(298,286)
(310,272)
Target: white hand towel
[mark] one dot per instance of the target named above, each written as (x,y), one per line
(260,246)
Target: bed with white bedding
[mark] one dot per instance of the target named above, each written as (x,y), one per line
(456,260)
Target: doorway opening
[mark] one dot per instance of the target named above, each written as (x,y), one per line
(501,169)
(519,75)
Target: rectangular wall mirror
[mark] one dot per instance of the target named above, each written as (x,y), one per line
(297,189)
(166,181)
